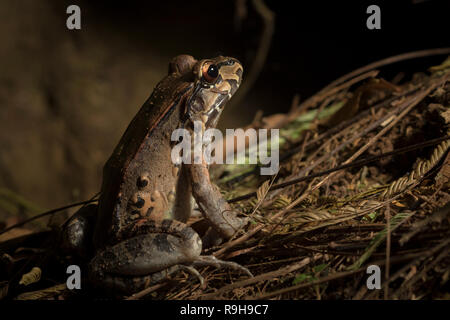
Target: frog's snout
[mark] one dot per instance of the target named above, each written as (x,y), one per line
(238,69)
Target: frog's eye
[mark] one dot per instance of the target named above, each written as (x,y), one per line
(210,72)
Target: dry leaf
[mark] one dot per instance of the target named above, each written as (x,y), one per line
(31,277)
(41,294)
(262,191)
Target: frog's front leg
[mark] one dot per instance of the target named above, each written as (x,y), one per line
(222,218)
(150,252)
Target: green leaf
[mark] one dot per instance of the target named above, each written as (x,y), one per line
(370,217)
(319,268)
(300,278)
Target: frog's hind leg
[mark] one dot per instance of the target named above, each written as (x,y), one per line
(146,253)
(118,284)
(128,285)
(150,252)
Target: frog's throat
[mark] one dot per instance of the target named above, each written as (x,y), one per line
(196,109)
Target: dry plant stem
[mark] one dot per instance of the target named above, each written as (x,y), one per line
(364,76)
(143,293)
(327,156)
(349,216)
(360,293)
(241,239)
(253,231)
(405,108)
(426,200)
(17,225)
(263,277)
(445,246)
(437,216)
(420,257)
(342,127)
(388,248)
(260,201)
(415,100)
(328,96)
(189,288)
(309,284)
(331,277)
(338,130)
(349,165)
(239,252)
(401,57)
(347,123)
(421,275)
(303,146)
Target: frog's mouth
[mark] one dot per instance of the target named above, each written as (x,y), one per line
(207,104)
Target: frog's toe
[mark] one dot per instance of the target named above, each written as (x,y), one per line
(194,272)
(202,261)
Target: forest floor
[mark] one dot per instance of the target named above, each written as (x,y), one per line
(361,200)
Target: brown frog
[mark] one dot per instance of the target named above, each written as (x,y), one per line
(140,235)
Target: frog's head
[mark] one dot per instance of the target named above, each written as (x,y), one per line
(215,82)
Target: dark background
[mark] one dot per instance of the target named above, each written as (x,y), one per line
(67,96)
(314,41)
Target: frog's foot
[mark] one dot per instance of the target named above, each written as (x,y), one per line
(195,273)
(203,261)
(120,284)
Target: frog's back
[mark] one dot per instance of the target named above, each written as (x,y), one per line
(129,173)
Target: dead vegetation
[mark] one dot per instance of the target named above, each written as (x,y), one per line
(363,181)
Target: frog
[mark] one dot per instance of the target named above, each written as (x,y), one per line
(138,231)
